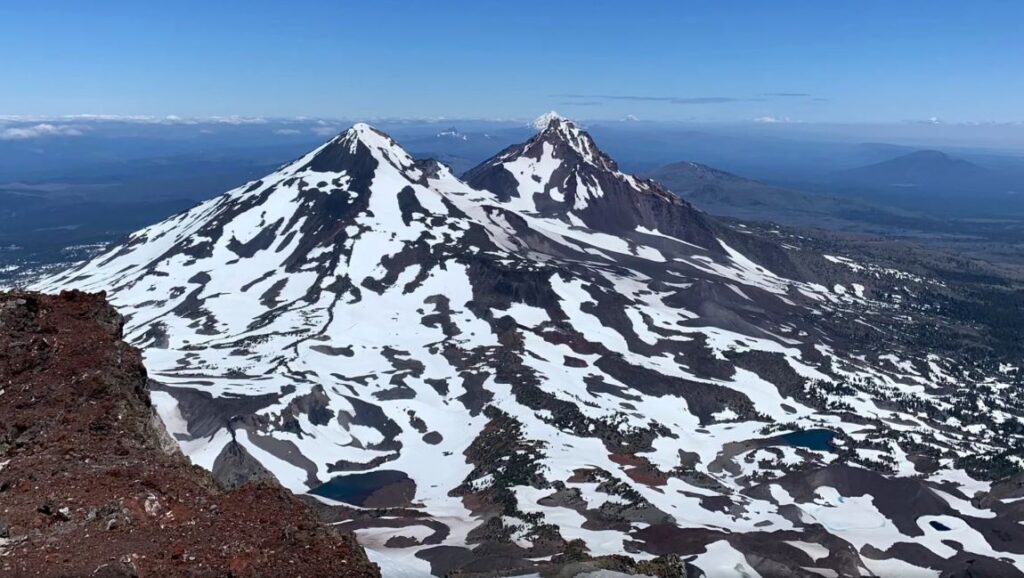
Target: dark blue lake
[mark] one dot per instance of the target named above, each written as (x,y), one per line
(812,439)
(355,488)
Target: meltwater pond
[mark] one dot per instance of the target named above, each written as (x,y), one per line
(812,439)
(356,488)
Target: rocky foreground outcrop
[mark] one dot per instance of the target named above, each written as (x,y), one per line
(91,485)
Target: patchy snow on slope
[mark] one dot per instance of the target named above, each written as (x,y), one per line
(452,367)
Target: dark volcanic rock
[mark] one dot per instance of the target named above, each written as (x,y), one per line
(89,486)
(235,467)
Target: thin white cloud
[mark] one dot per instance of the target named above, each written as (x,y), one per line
(38,131)
(326,130)
(772,119)
(233,119)
(171,119)
(287,131)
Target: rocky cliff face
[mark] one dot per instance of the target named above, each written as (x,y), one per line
(91,485)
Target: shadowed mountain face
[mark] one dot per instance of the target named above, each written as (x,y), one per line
(708,187)
(558,367)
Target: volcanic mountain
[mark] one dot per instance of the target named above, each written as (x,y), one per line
(925,168)
(561,174)
(553,366)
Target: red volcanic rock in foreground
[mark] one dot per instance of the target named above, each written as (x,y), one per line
(90,484)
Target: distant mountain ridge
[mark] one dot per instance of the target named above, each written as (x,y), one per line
(722,193)
(937,183)
(921,169)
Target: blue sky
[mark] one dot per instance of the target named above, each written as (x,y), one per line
(812,61)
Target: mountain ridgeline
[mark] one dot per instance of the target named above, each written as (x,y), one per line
(551,367)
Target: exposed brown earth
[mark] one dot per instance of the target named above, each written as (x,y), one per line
(90,484)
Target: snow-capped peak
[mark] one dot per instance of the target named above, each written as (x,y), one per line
(366,134)
(543,121)
(562,130)
(561,174)
(347,144)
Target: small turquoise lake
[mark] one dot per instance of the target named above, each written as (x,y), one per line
(811,439)
(356,488)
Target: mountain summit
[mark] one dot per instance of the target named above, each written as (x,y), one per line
(561,173)
(556,368)
(354,146)
(542,121)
